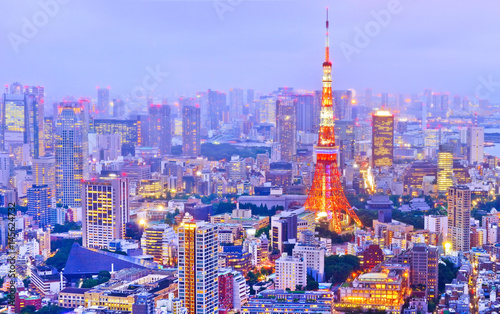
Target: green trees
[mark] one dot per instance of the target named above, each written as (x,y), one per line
(339,268)
(446,273)
(103,277)
(311,283)
(63,248)
(264,230)
(322,230)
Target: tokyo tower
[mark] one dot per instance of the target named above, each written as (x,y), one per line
(326,196)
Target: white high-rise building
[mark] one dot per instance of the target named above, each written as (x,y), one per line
(475,142)
(437,224)
(105,211)
(198,267)
(315,259)
(290,272)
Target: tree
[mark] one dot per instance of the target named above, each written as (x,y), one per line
(28,309)
(339,268)
(261,231)
(446,273)
(311,283)
(52,309)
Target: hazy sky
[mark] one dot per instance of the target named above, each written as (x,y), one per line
(444,45)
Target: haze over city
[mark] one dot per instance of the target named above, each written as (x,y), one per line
(250,44)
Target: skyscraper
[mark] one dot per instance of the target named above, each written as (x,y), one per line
(191,137)
(459,207)
(22,118)
(39,204)
(216,108)
(382,139)
(384,100)
(71,153)
(102,101)
(160,128)
(445,168)
(286,127)
(105,211)
(198,267)
(475,142)
(44,173)
(305,106)
(235,102)
(345,137)
(368,97)
(342,100)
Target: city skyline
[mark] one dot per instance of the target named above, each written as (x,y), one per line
(191,41)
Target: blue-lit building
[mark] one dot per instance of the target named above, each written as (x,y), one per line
(280,301)
(39,204)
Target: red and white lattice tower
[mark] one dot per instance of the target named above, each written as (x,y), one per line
(326,194)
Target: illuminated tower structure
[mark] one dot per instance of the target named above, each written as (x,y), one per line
(326,195)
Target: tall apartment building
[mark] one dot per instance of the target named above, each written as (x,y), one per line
(105,211)
(191,136)
(71,153)
(459,207)
(437,224)
(160,128)
(286,127)
(475,142)
(290,272)
(198,267)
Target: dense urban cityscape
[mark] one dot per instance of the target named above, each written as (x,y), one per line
(245,202)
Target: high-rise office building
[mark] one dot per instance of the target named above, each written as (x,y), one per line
(102,101)
(105,211)
(22,117)
(384,100)
(459,207)
(235,102)
(71,154)
(191,137)
(382,139)
(128,130)
(216,108)
(44,173)
(48,134)
(39,204)
(198,267)
(475,142)
(345,138)
(445,168)
(368,97)
(160,128)
(342,109)
(286,127)
(439,105)
(118,108)
(305,120)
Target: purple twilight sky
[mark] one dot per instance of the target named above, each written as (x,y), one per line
(445,45)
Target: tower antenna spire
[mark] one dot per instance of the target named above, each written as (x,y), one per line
(327,46)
